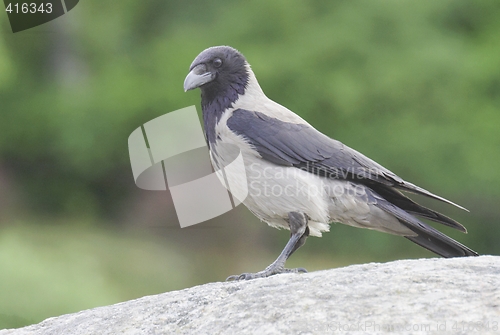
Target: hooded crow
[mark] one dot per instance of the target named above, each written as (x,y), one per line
(297,177)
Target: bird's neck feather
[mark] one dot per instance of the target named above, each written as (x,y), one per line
(217,98)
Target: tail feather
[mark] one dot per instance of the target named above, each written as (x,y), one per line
(427,236)
(409,187)
(439,243)
(400,200)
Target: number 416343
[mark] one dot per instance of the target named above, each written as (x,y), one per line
(32,8)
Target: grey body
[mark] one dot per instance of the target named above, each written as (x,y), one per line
(293,168)
(277,189)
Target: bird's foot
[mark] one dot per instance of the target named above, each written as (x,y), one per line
(263,274)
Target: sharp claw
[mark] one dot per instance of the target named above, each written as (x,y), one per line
(263,274)
(243,276)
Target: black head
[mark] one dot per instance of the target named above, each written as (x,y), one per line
(221,73)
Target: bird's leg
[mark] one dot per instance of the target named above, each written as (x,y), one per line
(298,235)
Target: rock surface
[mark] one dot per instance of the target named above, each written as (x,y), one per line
(459,296)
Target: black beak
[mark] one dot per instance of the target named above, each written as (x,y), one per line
(198,77)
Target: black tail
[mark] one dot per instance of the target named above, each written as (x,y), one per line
(425,235)
(438,242)
(400,200)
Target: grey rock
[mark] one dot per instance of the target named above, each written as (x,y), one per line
(425,296)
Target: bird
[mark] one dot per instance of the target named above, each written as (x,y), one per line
(299,178)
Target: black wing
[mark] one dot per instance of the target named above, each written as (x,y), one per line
(304,147)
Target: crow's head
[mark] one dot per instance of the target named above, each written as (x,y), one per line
(219,72)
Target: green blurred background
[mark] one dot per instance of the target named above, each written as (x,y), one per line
(414,85)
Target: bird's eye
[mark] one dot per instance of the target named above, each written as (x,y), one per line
(217,62)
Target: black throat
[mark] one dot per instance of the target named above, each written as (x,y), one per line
(219,95)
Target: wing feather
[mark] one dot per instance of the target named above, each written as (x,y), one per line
(304,147)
